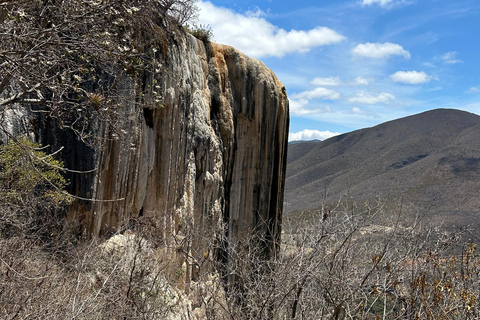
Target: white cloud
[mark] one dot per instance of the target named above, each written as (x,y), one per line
(380,50)
(317,93)
(451,58)
(255,36)
(356,110)
(331,81)
(411,77)
(473,90)
(256,14)
(311,135)
(360,81)
(336,81)
(365,98)
(298,108)
(382,3)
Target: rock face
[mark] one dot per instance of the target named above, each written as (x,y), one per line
(208,154)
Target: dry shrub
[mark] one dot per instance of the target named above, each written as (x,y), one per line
(121,278)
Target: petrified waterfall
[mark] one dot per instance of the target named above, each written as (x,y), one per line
(208,153)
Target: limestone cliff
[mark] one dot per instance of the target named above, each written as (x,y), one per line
(209,152)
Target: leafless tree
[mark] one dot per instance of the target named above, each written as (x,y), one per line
(182,11)
(353,261)
(67,59)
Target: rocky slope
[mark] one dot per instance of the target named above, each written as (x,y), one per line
(430,161)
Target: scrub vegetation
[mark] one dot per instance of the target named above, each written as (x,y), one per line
(344,261)
(347,260)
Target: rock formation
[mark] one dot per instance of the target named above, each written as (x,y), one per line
(208,154)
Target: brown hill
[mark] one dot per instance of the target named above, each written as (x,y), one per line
(430,160)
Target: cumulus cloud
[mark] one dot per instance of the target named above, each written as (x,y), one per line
(300,101)
(380,50)
(311,135)
(317,93)
(365,98)
(410,77)
(255,36)
(299,107)
(331,81)
(451,58)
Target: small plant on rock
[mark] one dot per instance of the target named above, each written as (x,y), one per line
(201,32)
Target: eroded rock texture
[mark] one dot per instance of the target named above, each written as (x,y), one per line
(209,152)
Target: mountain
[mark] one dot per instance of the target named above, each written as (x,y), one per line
(430,162)
(302,141)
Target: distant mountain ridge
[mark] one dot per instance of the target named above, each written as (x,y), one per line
(431,159)
(302,141)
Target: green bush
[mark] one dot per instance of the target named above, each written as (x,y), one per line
(26,171)
(201,32)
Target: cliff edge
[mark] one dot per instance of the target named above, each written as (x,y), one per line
(174,150)
(207,155)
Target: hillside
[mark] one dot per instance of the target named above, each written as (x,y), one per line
(430,160)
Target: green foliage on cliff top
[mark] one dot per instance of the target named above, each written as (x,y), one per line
(201,32)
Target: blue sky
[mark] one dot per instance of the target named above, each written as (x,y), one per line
(353,64)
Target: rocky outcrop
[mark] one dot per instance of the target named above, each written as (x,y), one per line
(206,155)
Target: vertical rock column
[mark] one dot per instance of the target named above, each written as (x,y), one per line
(212,154)
(251,109)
